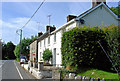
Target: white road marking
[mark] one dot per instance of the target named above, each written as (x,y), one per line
(2,64)
(18,71)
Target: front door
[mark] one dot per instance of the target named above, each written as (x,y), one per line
(54,57)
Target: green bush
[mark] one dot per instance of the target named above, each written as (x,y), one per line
(113,40)
(47,54)
(80,48)
(63,73)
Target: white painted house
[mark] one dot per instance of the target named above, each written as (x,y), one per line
(98,15)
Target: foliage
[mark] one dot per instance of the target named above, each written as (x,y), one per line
(16,51)
(7,51)
(116,10)
(63,72)
(17,59)
(47,64)
(95,73)
(113,40)
(80,48)
(47,54)
(24,46)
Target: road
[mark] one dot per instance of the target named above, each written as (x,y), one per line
(10,69)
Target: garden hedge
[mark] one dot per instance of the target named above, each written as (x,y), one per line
(80,48)
(113,40)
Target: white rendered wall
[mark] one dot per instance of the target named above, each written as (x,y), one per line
(51,47)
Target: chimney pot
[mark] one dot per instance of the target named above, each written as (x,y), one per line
(70,17)
(39,34)
(50,28)
(97,2)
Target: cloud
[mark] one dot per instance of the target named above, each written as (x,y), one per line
(77,8)
(9,29)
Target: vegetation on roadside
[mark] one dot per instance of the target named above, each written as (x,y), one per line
(95,73)
(7,51)
(47,54)
(24,46)
(89,72)
(113,41)
(63,72)
(80,48)
(17,59)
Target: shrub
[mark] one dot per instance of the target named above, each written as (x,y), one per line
(63,73)
(47,54)
(80,48)
(113,40)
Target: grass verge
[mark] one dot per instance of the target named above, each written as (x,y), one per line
(95,73)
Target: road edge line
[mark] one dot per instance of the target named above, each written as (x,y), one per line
(2,64)
(18,71)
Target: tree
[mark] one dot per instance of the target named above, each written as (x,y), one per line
(116,10)
(4,51)
(16,51)
(7,51)
(24,46)
(47,54)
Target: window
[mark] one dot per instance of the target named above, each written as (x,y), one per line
(48,40)
(40,44)
(40,56)
(55,37)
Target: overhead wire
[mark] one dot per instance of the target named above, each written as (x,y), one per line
(33,14)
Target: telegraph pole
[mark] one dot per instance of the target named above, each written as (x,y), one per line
(20,42)
(20,49)
(26,24)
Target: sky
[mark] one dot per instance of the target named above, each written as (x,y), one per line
(16,14)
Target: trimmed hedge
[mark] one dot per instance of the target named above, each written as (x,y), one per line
(80,48)
(113,40)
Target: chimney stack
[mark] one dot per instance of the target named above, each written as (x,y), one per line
(70,17)
(50,28)
(39,34)
(97,2)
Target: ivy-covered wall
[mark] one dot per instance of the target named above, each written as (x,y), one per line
(80,48)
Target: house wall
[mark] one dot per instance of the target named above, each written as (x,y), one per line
(71,26)
(100,17)
(53,45)
(33,50)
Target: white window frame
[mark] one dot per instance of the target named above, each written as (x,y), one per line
(55,38)
(49,40)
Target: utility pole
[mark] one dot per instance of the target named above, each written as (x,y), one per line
(20,41)
(26,24)
(49,19)
(20,49)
